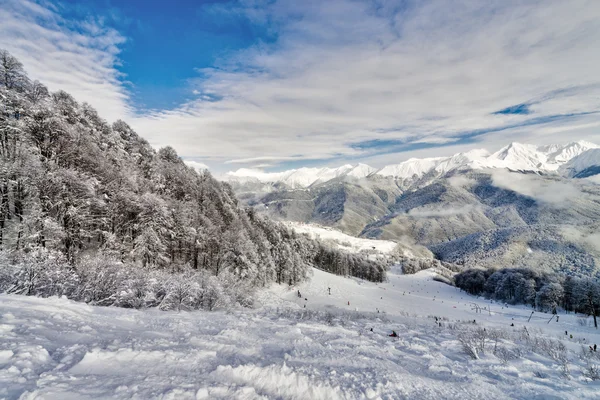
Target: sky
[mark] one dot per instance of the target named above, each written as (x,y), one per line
(279,84)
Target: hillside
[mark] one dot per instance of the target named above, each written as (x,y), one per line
(78,194)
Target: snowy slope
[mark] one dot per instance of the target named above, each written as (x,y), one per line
(515,156)
(58,349)
(420,295)
(346,242)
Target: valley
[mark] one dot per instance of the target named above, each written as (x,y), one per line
(472,209)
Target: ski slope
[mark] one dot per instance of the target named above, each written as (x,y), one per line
(419,295)
(58,349)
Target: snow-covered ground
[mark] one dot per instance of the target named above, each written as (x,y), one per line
(58,349)
(343,241)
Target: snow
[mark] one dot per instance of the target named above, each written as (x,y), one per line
(412,167)
(515,156)
(343,241)
(58,349)
(583,161)
(361,171)
(302,177)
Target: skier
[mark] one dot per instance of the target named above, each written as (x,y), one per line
(393,334)
(329,290)
(594,347)
(299,295)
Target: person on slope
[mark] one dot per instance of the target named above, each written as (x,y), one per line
(393,334)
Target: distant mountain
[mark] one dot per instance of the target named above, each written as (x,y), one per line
(299,178)
(515,157)
(583,165)
(520,206)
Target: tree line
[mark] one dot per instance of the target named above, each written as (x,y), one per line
(543,291)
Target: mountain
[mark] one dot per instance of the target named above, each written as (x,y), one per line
(521,205)
(299,178)
(515,157)
(583,165)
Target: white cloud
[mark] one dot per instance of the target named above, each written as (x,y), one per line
(198,166)
(343,71)
(461,181)
(593,179)
(76,56)
(258,159)
(554,192)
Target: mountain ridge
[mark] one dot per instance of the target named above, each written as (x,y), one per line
(554,158)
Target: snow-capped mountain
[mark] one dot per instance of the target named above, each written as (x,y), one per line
(583,165)
(411,167)
(515,157)
(477,208)
(301,177)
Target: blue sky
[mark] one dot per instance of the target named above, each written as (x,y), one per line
(283,83)
(168,42)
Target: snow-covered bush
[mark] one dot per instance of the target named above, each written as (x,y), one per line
(37,273)
(105,281)
(591,359)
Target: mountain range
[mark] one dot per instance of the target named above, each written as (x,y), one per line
(571,159)
(524,205)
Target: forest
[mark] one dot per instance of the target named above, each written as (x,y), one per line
(91,211)
(545,292)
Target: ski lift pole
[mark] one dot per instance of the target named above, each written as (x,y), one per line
(530,317)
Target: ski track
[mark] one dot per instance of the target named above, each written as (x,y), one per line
(58,349)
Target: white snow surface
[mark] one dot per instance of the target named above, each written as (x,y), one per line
(515,156)
(343,241)
(58,349)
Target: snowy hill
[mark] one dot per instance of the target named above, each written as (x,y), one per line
(58,349)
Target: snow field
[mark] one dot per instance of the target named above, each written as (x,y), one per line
(58,349)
